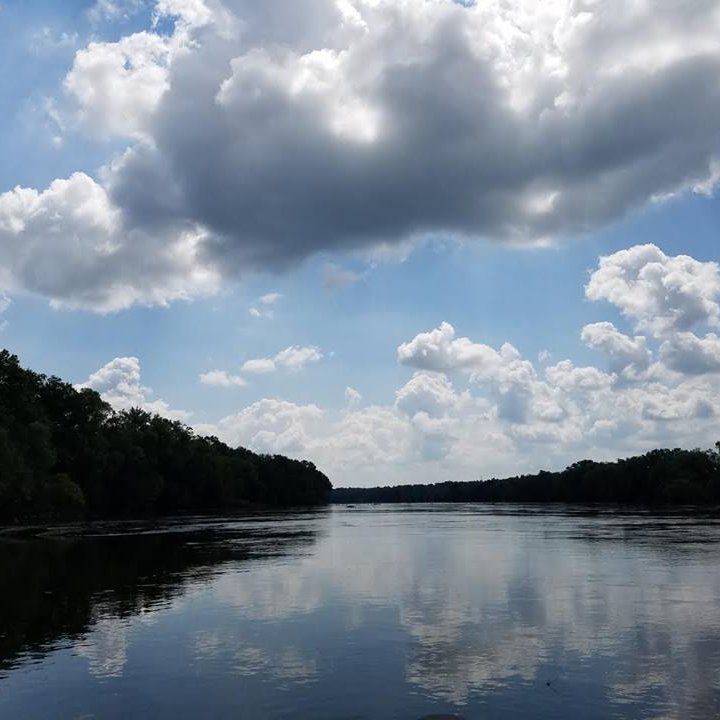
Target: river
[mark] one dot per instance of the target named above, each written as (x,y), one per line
(367,612)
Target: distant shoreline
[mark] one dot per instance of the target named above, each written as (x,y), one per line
(661,478)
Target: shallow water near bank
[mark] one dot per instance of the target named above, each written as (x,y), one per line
(367,612)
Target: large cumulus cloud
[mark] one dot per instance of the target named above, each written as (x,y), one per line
(271,131)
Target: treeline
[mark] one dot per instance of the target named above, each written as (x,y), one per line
(658,477)
(66,453)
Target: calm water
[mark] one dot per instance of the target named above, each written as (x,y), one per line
(385,612)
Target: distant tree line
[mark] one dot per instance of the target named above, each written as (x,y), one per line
(66,453)
(658,477)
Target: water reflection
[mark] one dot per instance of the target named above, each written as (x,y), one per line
(59,585)
(385,613)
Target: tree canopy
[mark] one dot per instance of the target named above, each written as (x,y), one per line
(66,453)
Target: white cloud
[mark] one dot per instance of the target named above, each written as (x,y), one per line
(624,352)
(263,307)
(259,366)
(660,293)
(117,85)
(352,396)
(270,426)
(689,354)
(429,393)
(69,244)
(292,358)
(567,377)
(222,379)
(119,384)
(269,298)
(440,351)
(297,357)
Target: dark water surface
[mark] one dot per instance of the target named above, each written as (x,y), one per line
(352,613)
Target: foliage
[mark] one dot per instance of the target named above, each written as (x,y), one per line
(658,477)
(65,453)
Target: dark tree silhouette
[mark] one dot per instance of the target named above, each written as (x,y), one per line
(65,453)
(658,477)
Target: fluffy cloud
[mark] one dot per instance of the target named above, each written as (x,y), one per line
(293,358)
(117,85)
(431,394)
(689,354)
(119,383)
(222,379)
(70,244)
(272,133)
(271,426)
(624,352)
(259,366)
(661,294)
(439,350)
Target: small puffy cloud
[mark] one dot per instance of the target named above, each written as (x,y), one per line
(660,293)
(293,358)
(119,384)
(440,351)
(352,396)
(297,357)
(263,307)
(269,298)
(259,366)
(622,350)
(221,378)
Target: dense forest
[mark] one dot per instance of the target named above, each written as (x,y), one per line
(66,453)
(658,477)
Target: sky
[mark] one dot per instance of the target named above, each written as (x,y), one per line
(409,240)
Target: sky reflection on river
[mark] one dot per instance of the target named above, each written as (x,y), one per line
(388,612)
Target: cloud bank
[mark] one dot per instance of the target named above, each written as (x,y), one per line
(470,410)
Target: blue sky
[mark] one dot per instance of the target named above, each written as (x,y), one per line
(211,181)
